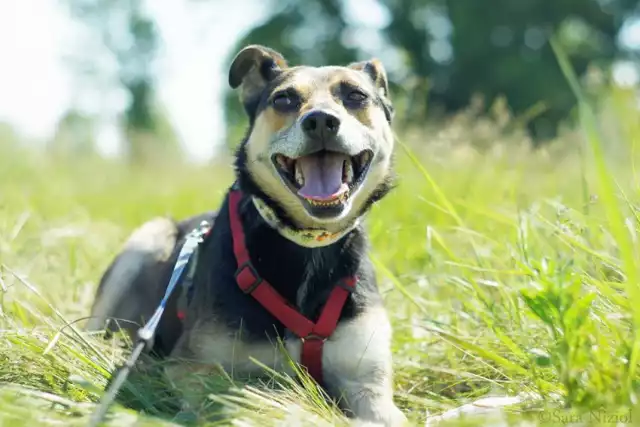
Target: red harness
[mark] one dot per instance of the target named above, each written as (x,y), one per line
(313,335)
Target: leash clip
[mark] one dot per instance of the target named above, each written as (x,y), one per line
(196,236)
(313,337)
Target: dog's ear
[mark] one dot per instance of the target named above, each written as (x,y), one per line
(376,72)
(254,67)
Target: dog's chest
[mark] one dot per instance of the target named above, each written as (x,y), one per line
(304,287)
(241,331)
(249,318)
(212,343)
(238,327)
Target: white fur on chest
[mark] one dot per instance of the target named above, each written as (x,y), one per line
(213,345)
(358,347)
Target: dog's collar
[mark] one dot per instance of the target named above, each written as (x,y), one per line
(308,237)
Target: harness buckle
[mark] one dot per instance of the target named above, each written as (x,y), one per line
(247,277)
(313,337)
(348,284)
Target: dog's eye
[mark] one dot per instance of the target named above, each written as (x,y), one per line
(356,96)
(355,99)
(284,102)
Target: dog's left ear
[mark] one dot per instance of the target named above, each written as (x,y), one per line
(253,68)
(375,70)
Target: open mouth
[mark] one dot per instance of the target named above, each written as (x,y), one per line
(325,179)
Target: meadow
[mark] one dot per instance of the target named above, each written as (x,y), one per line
(506,271)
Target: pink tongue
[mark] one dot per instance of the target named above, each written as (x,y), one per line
(322,175)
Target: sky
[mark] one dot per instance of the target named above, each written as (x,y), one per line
(38,85)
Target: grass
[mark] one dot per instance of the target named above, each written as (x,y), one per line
(505,271)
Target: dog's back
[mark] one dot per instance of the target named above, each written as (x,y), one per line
(134,283)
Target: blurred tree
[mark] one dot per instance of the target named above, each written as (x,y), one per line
(8,135)
(160,145)
(132,39)
(74,135)
(461,48)
(499,47)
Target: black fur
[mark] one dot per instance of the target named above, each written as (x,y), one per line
(378,193)
(262,57)
(285,265)
(256,103)
(388,109)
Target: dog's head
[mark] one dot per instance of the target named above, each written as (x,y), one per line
(320,144)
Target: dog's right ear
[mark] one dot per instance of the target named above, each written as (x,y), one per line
(253,68)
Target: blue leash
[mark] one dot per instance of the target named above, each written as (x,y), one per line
(147,332)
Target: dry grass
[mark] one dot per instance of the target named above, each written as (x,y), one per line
(505,271)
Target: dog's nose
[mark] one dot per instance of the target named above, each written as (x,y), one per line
(320,125)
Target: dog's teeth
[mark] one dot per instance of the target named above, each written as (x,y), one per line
(298,175)
(282,161)
(365,157)
(348,171)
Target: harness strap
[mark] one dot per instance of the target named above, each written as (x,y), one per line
(313,335)
(312,344)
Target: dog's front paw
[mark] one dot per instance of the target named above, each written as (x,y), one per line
(387,416)
(395,417)
(186,414)
(399,418)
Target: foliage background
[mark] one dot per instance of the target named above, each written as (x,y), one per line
(507,256)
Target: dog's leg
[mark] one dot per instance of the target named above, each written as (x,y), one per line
(208,349)
(186,373)
(357,368)
(128,290)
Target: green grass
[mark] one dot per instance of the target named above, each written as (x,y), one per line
(505,271)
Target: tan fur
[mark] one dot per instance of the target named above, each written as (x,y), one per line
(151,243)
(276,133)
(356,363)
(210,343)
(208,346)
(366,116)
(376,70)
(157,237)
(262,170)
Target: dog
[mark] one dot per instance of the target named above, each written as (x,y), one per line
(317,154)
